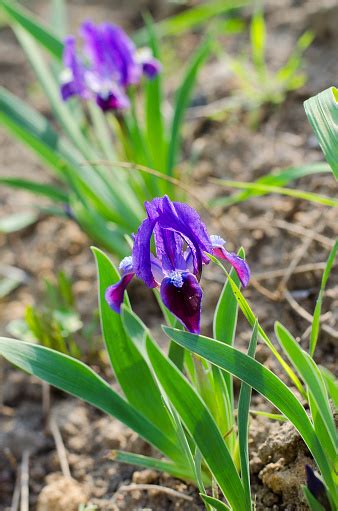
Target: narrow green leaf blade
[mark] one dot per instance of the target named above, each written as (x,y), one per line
(280,177)
(74,377)
(37,29)
(262,189)
(153,108)
(52,192)
(182,100)
(215,503)
(322,112)
(152,463)
(331,385)
(130,368)
(18,221)
(200,424)
(226,312)
(262,380)
(249,315)
(243,423)
(304,365)
(318,308)
(313,503)
(191,409)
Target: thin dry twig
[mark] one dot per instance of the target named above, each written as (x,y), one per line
(294,263)
(304,268)
(155,173)
(299,230)
(45,401)
(307,316)
(273,274)
(149,487)
(24,482)
(60,447)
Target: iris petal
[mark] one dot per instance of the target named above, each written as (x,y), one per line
(114,294)
(185,221)
(241,267)
(73,75)
(185,301)
(142,254)
(114,101)
(317,488)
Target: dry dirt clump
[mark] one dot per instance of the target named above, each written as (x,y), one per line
(281,461)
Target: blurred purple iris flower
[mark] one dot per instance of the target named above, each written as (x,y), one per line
(181,242)
(107,66)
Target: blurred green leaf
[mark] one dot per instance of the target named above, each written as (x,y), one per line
(182,101)
(267,188)
(43,34)
(18,221)
(190,18)
(52,192)
(322,112)
(275,178)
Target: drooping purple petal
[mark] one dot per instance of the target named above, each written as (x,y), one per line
(142,254)
(114,294)
(184,300)
(112,101)
(240,265)
(317,488)
(151,68)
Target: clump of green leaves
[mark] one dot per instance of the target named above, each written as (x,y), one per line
(182,402)
(84,148)
(54,321)
(258,84)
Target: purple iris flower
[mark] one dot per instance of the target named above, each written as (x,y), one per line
(107,66)
(181,242)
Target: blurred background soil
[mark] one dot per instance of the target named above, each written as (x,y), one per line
(286,241)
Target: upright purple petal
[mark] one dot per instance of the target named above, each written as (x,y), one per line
(240,265)
(142,254)
(120,51)
(93,47)
(114,294)
(73,76)
(169,249)
(182,295)
(182,218)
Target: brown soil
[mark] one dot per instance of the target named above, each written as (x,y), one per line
(273,230)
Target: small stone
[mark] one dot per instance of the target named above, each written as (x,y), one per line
(62,493)
(145,476)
